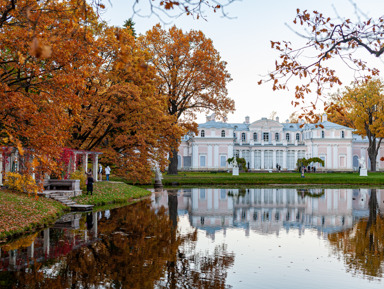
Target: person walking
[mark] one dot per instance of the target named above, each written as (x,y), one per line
(100,172)
(90,183)
(107,172)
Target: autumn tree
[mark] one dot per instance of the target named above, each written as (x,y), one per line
(336,112)
(192,76)
(363,105)
(41,74)
(327,40)
(121,113)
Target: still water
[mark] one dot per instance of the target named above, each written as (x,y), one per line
(210,238)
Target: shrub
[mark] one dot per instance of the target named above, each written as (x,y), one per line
(240,162)
(80,175)
(21,183)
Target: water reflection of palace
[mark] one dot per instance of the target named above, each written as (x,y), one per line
(271,210)
(70,232)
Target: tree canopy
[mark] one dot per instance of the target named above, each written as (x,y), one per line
(67,79)
(191,74)
(362,104)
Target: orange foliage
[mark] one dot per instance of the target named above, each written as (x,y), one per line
(122,115)
(45,54)
(67,79)
(191,75)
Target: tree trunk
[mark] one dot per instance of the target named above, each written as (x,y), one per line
(173,162)
(372,154)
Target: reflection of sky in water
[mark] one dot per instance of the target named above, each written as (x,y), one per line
(278,236)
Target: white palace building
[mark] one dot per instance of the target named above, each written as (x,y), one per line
(266,143)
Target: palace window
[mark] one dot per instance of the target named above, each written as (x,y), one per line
(223,133)
(202,161)
(297,136)
(266,136)
(243,136)
(202,133)
(255,136)
(287,136)
(223,161)
(277,136)
(342,134)
(322,134)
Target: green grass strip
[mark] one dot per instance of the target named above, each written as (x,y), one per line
(111,193)
(207,178)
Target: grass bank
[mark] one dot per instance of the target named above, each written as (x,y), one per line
(20,213)
(105,193)
(207,178)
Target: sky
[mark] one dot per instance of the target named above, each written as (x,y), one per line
(243,41)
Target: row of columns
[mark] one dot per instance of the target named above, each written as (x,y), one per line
(332,157)
(95,163)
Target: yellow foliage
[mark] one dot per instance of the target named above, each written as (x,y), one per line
(79,175)
(21,183)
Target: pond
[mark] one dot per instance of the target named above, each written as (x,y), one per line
(210,238)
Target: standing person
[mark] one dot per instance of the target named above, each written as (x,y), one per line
(107,172)
(90,183)
(100,172)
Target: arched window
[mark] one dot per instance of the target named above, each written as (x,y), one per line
(298,137)
(202,133)
(342,134)
(223,133)
(255,136)
(243,136)
(287,136)
(322,134)
(277,136)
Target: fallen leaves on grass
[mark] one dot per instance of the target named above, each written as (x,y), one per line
(20,212)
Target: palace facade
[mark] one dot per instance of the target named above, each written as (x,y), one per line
(266,144)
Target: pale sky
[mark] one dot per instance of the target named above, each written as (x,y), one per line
(244,43)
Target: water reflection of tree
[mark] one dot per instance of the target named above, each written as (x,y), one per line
(192,269)
(135,249)
(362,247)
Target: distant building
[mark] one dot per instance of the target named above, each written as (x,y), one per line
(266,144)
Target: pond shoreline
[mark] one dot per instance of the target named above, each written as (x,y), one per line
(120,192)
(49,211)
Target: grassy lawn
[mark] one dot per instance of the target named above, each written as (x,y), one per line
(20,213)
(111,193)
(208,178)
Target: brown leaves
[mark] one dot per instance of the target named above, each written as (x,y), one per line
(38,50)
